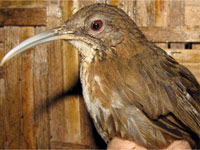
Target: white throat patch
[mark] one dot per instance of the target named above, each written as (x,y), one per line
(85,49)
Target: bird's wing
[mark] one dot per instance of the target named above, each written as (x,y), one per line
(165,93)
(171,88)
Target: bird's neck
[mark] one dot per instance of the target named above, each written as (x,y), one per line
(126,49)
(87,52)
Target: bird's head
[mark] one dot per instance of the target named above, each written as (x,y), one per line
(93,29)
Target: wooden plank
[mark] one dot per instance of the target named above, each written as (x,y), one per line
(141,13)
(162,45)
(1,35)
(22,3)
(189,58)
(194,68)
(40,87)
(72,111)
(27,118)
(191,17)
(192,3)
(85,3)
(2,114)
(70,54)
(12,92)
(195,45)
(161,13)
(55,88)
(70,76)
(2,102)
(176,13)
(177,45)
(67,8)
(158,34)
(73,117)
(64,145)
(176,19)
(2,54)
(114,2)
(128,7)
(145,13)
(23,16)
(133,14)
(185,56)
(101,1)
(76,128)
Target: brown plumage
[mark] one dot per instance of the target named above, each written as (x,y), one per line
(132,88)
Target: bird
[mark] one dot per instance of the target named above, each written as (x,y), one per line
(132,88)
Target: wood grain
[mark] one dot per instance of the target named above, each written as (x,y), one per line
(194,68)
(145,13)
(70,78)
(1,35)
(40,87)
(185,56)
(55,53)
(115,2)
(191,17)
(189,58)
(162,13)
(23,16)
(27,116)
(162,45)
(2,101)
(176,9)
(192,3)
(12,92)
(85,3)
(77,130)
(70,54)
(73,117)
(62,145)
(2,114)
(159,34)
(127,6)
(22,3)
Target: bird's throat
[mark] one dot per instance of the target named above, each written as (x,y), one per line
(87,51)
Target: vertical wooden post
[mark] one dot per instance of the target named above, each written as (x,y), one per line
(12,103)
(40,88)
(26,77)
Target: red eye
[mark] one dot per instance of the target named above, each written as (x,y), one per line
(96,25)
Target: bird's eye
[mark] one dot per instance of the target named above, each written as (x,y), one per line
(96,25)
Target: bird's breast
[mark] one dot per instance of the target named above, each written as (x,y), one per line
(93,89)
(94,96)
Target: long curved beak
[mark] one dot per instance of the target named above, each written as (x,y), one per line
(50,35)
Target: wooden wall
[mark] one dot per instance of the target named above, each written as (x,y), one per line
(36,109)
